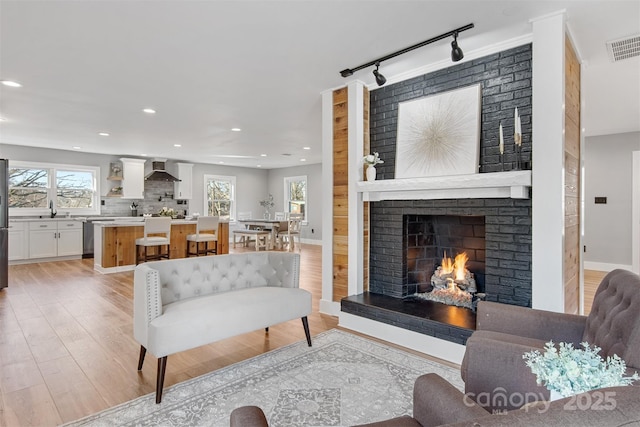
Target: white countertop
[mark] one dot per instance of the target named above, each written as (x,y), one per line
(138,223)
(60,218)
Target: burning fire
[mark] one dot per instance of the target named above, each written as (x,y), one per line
(457,266)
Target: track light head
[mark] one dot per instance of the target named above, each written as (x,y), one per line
(456,52)
(346,72)
(380,79)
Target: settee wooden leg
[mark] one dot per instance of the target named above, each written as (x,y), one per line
(266,329)
(162,367)
(143,352)
(305,324)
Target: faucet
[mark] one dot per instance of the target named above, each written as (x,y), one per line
(53,212)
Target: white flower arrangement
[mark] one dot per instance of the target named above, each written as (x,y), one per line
(372,159)
(268,202)
(167,212)
(568,370)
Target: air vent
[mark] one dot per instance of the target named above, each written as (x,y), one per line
(627,47)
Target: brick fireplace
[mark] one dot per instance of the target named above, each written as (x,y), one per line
(398,265)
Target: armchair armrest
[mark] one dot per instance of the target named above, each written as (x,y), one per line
(248,416)
(437,402)
(495,374)
(528,322)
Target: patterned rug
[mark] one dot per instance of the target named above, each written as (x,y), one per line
(342,380)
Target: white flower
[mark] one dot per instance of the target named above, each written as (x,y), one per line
(268,202)
(570,371)
(372,159)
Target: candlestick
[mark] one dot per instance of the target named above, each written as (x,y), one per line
(501,140)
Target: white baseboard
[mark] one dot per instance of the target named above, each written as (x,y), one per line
(432,346)
(332,308)
(604,266)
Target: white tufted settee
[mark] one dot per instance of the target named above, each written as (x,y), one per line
(185,303)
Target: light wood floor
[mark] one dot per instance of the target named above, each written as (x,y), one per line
(66,345)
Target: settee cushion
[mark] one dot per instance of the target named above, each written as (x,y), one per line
(200,320)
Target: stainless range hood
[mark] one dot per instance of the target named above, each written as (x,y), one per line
(159,173)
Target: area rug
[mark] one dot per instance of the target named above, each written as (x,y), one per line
(342,380)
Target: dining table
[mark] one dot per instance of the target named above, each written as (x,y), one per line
(273,225)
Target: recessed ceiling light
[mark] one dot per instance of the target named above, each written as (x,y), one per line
(221,162)
(303,160)
(177,145)
(76,147)
(263,155)
(2,119)
(258,166)
(103,134)
(306,148)
(236,129)
(144,154)
(11,83)
(149,110)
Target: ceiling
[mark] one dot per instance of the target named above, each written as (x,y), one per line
(209,66)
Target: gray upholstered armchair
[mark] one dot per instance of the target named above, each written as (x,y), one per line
(493,366)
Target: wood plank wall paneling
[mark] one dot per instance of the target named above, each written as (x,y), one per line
(340,194)
(365,223)
(572,181)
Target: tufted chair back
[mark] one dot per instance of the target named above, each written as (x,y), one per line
(614,321)
(191,277)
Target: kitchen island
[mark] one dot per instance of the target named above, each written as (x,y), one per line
(115,242)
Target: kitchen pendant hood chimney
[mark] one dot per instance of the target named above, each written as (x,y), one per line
(159,173)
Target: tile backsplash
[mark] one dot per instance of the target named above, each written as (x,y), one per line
(157,195)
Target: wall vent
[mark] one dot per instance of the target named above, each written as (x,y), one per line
(624,48)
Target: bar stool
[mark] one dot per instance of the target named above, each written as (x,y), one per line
(153,226)
(206,232)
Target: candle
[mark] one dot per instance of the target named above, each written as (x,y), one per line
(501,140)
(519,126)
(515,121)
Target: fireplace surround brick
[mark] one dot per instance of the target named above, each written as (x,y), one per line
(505,79)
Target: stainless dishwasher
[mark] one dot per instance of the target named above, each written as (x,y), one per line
(87,236)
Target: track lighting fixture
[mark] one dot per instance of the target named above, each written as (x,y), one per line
(380,79)
(456,54)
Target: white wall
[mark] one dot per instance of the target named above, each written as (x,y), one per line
(608,173)
(313,229)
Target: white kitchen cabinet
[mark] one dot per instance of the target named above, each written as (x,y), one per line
(132,178)
(69,238)
(17,241)
(55,238)
(183,189)
(43,242)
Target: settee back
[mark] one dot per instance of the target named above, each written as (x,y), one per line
(614,321)
(198,276)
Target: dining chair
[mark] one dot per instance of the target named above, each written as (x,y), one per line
(282,233)
(280,216)
(153,228)
(293,231)
(206,233)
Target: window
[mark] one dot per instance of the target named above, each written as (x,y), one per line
(37,188)
(295,195)
(220,195)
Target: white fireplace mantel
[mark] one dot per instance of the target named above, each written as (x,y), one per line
(514,184)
